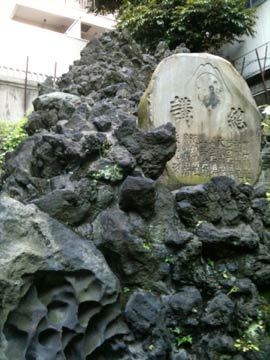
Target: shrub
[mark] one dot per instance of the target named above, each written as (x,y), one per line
(11,135)
(203,25)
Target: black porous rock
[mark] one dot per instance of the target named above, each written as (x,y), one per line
(70,204)
(186,300)
(49,109)
(137,194)
(103,123)
(152,149)
(99,260)
(219,311)
(181,355)
(142,312)
(226,240)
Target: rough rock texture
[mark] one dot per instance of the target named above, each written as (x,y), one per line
(265,174)
(137,195)
(193,264)
(59,299)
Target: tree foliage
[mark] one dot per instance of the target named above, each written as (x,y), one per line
(203,25)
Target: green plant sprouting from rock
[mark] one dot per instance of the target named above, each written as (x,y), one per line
(251,336)
(109,172)
(169,259)
(125,290)
(11,135)
(233,290)
(266,121)
(245,345)
(180,340)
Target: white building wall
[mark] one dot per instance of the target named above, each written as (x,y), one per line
(248,44)
(12,98)
(262,34)
(45,49)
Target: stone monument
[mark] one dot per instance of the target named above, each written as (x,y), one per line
(216,119)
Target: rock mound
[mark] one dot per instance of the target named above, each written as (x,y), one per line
(193,264)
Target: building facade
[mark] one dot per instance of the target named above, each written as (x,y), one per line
(40,38)
(251,56)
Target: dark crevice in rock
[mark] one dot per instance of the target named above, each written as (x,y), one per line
(52,318)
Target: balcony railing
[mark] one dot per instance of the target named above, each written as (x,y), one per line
(25,74)
(16,73)
(254,62)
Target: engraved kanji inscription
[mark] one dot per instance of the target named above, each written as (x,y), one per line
(181,109)
(201,156)
(236,119)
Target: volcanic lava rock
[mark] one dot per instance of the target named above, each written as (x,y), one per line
(137,194)
(142,311)
(219,311)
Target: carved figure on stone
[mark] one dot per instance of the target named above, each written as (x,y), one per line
(209,90)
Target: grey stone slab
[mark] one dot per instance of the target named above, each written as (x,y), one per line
(216,118)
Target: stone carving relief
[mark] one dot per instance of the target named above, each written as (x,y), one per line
(181,109)
(236,119)
(209,86)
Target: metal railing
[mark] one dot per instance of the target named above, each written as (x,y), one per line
(20,73)
(254,61)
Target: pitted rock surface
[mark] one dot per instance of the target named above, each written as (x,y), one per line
(60,299)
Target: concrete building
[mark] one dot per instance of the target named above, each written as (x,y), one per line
(40,38)
(251,56)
